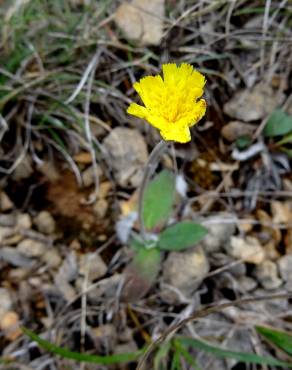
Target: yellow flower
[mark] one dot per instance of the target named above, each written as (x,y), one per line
(172,104)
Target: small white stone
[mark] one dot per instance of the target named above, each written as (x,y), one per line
(66,274)
(5,301)
(31,248)
(128,153)
(267,275)
(5,232)
(253,104)
(24,169)
(100,208)
(93,265)
(45,223)
(14,257)
(5,202)
(88,175)
(52,258)
(7,219)
(186,270)
(247,284)
(235,129)
(220,230)
(285,267)
(23,221)
(141,20)
(248,249)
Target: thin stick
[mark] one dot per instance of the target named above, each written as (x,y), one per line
(149,170)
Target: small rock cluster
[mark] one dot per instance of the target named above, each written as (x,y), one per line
(34,259)
(185,271)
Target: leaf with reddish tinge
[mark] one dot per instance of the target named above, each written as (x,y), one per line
(141,274)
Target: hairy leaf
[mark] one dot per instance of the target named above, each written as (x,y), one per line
(159,198)
(180,236)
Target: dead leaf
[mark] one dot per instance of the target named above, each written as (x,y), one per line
(141,20)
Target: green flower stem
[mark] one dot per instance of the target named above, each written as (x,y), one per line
(149,170)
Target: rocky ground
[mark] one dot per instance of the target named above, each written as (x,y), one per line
(67,197)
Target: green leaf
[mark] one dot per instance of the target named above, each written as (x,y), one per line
(140,274)
(279,338)
(147,263)
(81,357)
(243,142)
(278,124)
(240,356)
(159,198)
(180,236)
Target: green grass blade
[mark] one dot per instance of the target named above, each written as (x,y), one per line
(175,364)
(161,355)
(81,357)
(240,356)
(185,353)
(281,339)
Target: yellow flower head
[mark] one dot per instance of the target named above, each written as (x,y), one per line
(172,104)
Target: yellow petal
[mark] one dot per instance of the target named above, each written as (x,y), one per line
(150,89)
(137,110)
(141,112)
(198,112)
(157,121)
(169,72)
(184,71)
(198,79)
(180,134)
